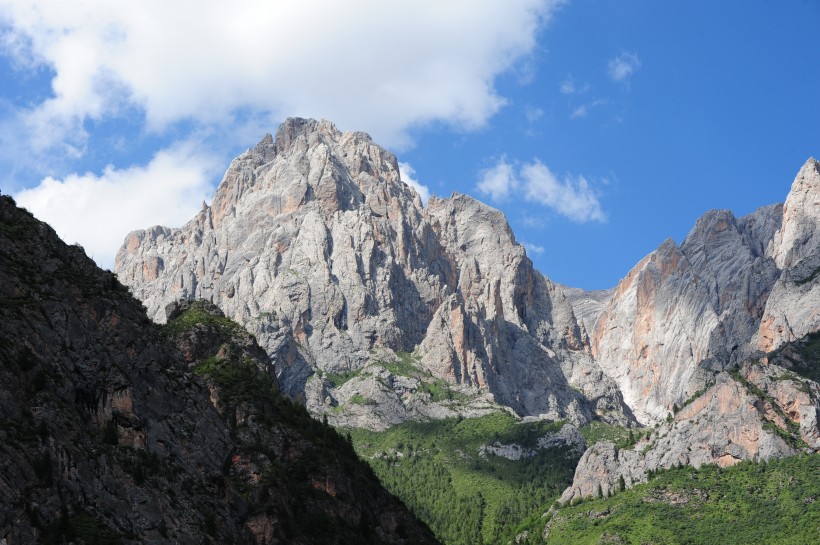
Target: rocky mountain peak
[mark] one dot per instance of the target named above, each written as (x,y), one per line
(311,165)
(800,234)
(315,245)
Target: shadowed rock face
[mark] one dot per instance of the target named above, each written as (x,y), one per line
(315,245)
(113,430)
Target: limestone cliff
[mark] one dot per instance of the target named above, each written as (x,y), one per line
(685,312)
(793,310)
(315,245)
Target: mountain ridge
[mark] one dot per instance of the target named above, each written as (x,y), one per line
(333,285)
(393,297)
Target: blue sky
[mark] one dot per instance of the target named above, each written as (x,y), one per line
(599,127)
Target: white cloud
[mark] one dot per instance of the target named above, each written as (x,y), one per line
(498,181)
(408,174)
(533,113)
(623,66)
(99,211)
(383,67)
(568,87)
(584,109)
(580,111)
(533,249)
(572,198)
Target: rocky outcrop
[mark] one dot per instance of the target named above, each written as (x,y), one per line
(113,430)
(687,313)
(568,436)
(759,412)
(315,245)
(793,309)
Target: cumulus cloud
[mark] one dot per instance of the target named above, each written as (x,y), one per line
(623,66)
(98,211)
(498,181)
(209,61)
(408,176)
(571,197)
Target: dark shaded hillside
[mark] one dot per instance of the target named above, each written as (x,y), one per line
(113,430)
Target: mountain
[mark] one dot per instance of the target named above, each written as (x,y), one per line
(376,310)
(315,245)
(116,430)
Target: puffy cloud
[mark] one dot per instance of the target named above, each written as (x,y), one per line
(384,67)
(99,211)
(408,175)
(623,66)
(498,181)
(572,197)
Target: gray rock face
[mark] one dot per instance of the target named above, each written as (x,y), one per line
(315,245)
(376,310)
(744,418)
(685,312)
(793,309)
(311,242)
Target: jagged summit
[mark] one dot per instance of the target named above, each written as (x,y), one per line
(376,310)
(315,245)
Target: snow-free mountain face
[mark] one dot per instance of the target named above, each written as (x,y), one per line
(375,309)
(319,249)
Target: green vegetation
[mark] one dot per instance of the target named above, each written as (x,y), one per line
(358,399)
(598,431)
(792,432)
(766,503)
(196,315)
(436,469)
(809,349)
(406,366)
(814,274)
(338,379)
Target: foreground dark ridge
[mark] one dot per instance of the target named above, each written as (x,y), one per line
(114,430)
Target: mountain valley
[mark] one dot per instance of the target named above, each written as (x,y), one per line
(496,404)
